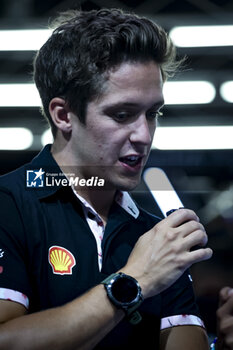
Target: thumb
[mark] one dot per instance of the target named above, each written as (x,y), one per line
(225,294)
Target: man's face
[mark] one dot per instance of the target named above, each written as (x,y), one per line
(115,141)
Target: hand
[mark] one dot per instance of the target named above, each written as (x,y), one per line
(225,319)
(162,254)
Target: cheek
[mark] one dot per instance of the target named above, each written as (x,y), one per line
(107,138)
(152,131)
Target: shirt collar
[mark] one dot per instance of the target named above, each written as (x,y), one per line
(122,198)
(126,202)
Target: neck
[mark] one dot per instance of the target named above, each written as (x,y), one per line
(100,199)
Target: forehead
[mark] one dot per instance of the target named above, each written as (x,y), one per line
(133,82)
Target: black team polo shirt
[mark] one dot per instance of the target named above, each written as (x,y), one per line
(44,229)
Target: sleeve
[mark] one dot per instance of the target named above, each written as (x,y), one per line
(14,280)
(179,305)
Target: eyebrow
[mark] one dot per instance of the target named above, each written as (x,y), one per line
(116,105)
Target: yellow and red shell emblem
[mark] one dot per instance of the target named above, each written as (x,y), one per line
(61,260)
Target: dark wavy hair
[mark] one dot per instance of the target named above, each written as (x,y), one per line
(76,60)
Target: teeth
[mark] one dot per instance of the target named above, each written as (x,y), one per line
(132,158)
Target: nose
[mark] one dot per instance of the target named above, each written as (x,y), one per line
(142,131)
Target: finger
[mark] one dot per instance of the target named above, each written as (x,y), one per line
(196,238)
(180,216)
(191,226)
(226,308)
(224,294)
(199,255)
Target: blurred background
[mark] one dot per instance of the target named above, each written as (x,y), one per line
(194,139)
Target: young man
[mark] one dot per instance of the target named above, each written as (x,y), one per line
(82,266)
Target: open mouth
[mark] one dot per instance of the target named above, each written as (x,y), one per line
(131,160)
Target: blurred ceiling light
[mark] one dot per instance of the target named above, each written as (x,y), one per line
(182,92)
(189,92)
(202,36)
(220,203)
(23,40)
(46,137)
(226,91)
(184,36)
(15,138)
(193,137)
(19,95)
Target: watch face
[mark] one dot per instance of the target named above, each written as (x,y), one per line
(124,290)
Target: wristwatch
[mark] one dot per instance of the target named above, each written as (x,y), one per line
(125,293)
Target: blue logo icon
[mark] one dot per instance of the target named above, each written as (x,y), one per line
(35,178)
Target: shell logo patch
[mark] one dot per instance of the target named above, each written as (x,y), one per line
(61,260)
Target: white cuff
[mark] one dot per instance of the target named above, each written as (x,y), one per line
(13,295)
(181,320)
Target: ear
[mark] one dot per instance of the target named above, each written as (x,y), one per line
(60,115)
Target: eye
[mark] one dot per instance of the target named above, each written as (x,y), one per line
(154,114)
(121,116)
